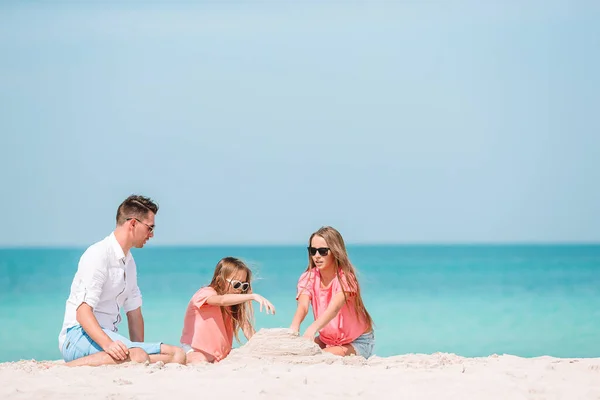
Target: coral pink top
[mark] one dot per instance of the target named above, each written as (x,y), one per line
(346,326)
(205,328)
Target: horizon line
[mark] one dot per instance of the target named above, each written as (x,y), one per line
(356,244)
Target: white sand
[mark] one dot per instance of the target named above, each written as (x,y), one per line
(276,364)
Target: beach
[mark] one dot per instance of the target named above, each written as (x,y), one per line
(277,364)
(431,161)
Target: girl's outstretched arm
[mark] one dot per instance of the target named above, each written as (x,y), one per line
(335,305)
(301,311)
(235,298)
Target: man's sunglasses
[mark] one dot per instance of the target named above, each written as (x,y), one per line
(150,228)
(237,284)
(323,251)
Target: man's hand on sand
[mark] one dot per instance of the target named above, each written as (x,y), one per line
(117,350)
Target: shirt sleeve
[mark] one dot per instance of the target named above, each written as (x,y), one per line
(202,295)
(92,274)
(306,285)
(134,300)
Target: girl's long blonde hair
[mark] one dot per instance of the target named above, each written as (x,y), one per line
(335,242)
(242,315)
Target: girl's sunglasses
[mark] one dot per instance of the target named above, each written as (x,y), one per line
(238,285)
(323,251)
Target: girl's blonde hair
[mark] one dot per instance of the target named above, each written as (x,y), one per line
(242,315)
(336,245)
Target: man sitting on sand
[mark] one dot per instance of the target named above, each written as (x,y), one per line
(105,283)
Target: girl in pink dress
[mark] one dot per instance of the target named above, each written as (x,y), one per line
(330,285)
(217,312)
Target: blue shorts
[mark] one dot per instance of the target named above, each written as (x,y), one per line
(78,344)
(364,344)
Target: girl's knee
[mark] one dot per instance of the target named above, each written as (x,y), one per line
(343,351)
(196,357)
(319,342)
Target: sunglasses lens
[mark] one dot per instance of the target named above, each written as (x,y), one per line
(323,251)
(245,286)
(236,285)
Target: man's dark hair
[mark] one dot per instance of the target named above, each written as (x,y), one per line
(135,206)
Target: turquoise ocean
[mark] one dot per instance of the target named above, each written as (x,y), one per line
(526,300)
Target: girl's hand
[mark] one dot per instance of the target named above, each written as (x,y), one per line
(295,329)
(269,308)
(310,333)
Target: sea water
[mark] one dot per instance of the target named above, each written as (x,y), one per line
(526,300)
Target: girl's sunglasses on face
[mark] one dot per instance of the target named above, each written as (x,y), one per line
(323,251)
(238,285)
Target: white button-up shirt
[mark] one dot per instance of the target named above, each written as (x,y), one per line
(106,280)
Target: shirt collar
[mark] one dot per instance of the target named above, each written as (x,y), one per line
(340,272)
(117,250)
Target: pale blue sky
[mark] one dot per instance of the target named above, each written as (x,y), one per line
(258,122)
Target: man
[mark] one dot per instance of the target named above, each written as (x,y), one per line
(105,283)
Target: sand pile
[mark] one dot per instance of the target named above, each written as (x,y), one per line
(279,342)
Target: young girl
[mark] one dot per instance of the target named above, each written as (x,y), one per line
(330,285)
(218,311)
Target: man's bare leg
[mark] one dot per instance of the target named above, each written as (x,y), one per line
(169,354)
(135,354)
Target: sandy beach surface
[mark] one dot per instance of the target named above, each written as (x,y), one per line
(277,364)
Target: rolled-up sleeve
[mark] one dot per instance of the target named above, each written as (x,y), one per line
(93,272)
(305,284)
(134,300)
